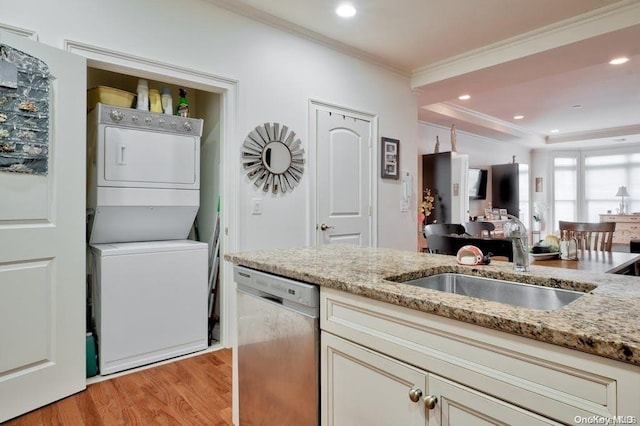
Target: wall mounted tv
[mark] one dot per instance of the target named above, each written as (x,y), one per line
(478,184)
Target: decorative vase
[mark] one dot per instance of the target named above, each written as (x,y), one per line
(453,139)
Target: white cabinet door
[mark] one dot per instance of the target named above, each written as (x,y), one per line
(42,251)
(462,406)
(363,387)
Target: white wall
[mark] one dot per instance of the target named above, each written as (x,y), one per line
(277,73)
(482,152)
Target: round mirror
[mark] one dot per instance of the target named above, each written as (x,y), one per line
(276,157)
(273,158)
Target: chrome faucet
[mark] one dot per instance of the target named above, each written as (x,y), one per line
(515,230)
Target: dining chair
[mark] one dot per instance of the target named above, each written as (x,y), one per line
(479,228)
(443,229)
(590,235)
(450,244)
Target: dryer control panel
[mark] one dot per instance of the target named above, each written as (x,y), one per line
(136,119)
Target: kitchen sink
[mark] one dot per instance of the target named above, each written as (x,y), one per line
(509,292)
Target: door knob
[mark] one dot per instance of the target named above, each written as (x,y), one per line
(324,227)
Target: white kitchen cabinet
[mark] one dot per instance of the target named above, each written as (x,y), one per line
(458,405)
(479,375)
(362,386)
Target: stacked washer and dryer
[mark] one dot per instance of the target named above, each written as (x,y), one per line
(149,287)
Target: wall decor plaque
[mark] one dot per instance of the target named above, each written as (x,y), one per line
(24,112)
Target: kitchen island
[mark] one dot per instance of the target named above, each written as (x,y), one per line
(582,359)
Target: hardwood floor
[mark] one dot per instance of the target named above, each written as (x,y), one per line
(192,391)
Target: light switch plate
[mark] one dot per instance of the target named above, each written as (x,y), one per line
(404,205)
(256,206)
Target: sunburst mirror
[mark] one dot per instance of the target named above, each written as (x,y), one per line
(273,158)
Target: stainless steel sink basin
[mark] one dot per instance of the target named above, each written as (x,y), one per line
(509,292)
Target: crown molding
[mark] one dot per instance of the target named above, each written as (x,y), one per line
(610,18)
(23,32)
(479,119)
(611,132)
(257,15)
(462,132)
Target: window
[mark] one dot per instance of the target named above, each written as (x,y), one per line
(523,191)
(604,173)
(565,189)
(585,183)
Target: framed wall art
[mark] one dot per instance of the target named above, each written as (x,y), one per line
(390,155)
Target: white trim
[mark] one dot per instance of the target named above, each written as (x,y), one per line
(614,17)
(474,117)
(111,60)
(23,32)
(611,132)
(460,132)
(257,15)
(314,107)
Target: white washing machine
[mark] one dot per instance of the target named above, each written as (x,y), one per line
(149,301)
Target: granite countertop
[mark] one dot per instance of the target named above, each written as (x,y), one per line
(605,321)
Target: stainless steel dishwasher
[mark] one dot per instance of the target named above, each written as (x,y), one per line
(278,350)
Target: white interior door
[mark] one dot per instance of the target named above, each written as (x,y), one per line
(42,251)
(344,187)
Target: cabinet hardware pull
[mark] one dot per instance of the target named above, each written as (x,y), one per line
(430,401)
(415,394)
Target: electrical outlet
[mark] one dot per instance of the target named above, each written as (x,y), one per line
(256,206)
(404,206)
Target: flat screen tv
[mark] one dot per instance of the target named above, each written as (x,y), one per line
(478,184)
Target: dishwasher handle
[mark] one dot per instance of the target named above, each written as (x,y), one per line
(273,299)
(312,312)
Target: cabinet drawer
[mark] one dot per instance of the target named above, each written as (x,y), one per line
(547,379)
(620,218)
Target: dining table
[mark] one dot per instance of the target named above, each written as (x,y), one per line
(595,261)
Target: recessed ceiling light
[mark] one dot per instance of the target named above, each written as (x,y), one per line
(555,131)
(346,10)
(518,117)
(619,61)
(464,97)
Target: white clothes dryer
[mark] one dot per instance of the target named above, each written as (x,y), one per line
(143,172)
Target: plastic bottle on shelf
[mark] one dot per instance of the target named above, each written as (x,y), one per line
(183,104)
(167,102)
(143,95)
(154,100)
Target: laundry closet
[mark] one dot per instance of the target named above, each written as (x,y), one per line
(153,225)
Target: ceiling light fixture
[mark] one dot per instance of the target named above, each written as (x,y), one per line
(346,10)
(518,117)
(464,97)
(619,61)
(576,106)
(555,131)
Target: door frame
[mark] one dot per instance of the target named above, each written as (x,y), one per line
(312,190)
(109,60)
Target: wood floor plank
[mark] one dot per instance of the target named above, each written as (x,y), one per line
(191,391)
